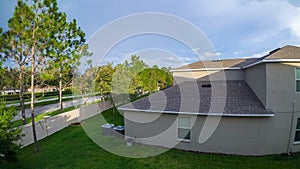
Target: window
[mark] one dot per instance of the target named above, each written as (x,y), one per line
(184,128)
(297,134)
(297,79)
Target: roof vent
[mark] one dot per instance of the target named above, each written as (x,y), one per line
(206,85)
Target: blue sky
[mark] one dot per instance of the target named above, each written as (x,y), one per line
(236,28)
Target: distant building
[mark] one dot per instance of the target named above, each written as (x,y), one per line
(44,89)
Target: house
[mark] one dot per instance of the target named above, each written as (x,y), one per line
(44,89)
(235,106)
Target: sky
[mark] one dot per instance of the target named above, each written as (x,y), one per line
(235,28)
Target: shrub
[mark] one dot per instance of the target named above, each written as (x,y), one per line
(9,136)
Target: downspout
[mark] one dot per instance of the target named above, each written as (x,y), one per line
(291,129)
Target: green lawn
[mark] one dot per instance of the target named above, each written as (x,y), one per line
(72,148)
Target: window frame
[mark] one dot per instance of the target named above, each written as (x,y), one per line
(296,79)
(297,130)
(186,128)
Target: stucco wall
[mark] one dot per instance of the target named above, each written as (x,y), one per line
(256,78)
(234,135)
(208,75)
(281,87)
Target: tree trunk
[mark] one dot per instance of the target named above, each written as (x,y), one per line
(36,146)
(60,90)
(21,94)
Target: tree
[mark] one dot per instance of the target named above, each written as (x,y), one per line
(125,82)
(16,50)
(1,69)
(68,46)
(50,76)
(153,79)
(28,38)
(136,65)
(103,78)
(41,31)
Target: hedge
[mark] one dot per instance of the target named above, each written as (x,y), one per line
(28,95)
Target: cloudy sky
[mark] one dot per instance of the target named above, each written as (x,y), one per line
(235,28)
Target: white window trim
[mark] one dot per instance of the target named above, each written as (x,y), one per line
(296,80)
(189,128)
(297,129)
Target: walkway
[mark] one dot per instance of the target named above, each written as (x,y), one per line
(52,107)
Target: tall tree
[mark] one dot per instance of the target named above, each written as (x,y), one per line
(30,32)
(16,49)
(68,46)
(42,28)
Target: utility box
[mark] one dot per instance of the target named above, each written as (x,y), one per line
(107,129)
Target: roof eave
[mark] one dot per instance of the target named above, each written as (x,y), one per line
(199,113)
(271,61)
(205,69)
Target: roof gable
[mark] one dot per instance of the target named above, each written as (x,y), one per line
(285,54)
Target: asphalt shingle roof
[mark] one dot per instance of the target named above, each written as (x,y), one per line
(236,96)
(227,63)
(287,52)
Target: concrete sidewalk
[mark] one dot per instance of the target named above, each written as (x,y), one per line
(52,107)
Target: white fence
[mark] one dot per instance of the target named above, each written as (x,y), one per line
(53,124)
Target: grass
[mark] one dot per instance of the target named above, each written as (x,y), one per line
(72,148)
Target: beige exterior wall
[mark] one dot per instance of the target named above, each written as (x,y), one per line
(234,135)
(208,75)
(256,78)
(274,84)
(281,87)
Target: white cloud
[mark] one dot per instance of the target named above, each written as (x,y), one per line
(238,52)
(294,23)
(196,50)
(244,24)
(211,54)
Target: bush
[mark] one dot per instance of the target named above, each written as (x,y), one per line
(28,95)
(9,136)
